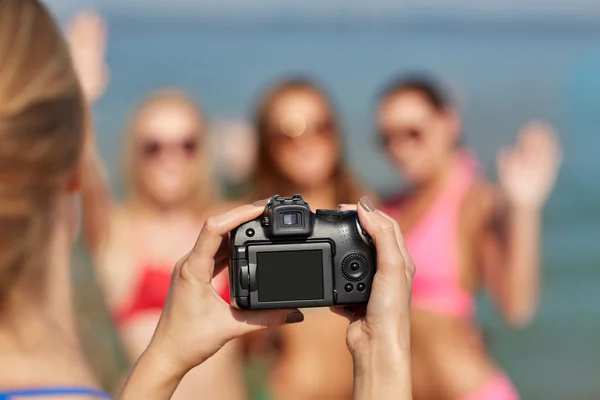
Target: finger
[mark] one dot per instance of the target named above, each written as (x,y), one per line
(351,313)
(347,207)
(381,230)
(534,145)
(201,260)
(409,264)
(345,312)
(253,320)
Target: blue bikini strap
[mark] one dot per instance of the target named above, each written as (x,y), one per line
(73,391)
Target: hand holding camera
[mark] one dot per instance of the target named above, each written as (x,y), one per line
(293,258)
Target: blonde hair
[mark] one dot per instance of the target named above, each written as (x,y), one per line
(41,134)
(205,192)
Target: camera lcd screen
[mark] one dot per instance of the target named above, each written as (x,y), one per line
(290,275)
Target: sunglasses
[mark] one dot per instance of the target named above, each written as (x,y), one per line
(400,135)
(320,128)
(153,148)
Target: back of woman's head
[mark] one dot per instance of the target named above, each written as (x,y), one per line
(273,172)
(41,134)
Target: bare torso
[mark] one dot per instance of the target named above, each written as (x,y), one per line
(314,361)
(136,242)
(449,356)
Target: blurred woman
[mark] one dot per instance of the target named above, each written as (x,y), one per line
(300,151)
(42,135)
(137,242)
(463,235)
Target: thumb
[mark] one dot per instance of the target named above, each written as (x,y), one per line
(250,321)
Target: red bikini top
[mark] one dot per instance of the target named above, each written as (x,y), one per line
(152,289)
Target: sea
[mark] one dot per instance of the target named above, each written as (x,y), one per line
(500,77)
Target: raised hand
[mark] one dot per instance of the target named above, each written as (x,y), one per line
(86,36)
(528,171)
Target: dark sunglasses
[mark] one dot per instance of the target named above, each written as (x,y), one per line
(154,148)
(401,135)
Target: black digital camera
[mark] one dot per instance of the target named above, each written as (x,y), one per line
(292,258)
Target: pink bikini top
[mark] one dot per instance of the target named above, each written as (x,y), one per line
(151,290)
(433,245)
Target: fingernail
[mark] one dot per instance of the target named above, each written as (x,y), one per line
(367,204)
(294,317)
(260,203)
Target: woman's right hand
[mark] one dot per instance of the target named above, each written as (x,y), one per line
(379,335)
(86,36)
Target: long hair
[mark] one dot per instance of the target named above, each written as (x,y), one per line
(268,178)
(41,136)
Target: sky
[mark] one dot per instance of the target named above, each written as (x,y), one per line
(538,9)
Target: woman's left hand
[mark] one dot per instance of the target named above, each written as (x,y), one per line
(528,170)
(195,321)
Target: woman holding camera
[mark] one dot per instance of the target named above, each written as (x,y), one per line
(464,234)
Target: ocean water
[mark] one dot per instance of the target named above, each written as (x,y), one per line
(500,78)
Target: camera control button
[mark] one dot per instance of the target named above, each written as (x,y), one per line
(348,287)
(361,287)
(355,266)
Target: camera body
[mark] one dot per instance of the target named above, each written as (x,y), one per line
(291,257)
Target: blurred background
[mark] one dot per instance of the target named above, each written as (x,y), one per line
(505,62)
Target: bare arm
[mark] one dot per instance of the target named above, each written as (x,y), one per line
(511,247)
(382,371)
(152,378)
(95,201)
(379,336)
(87,36)
(510,250)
